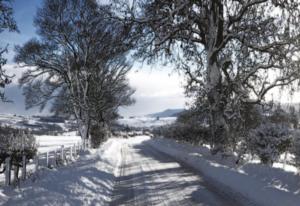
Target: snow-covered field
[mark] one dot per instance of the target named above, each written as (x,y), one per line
(142,122)
(49,143)
(33,123)
(45,142)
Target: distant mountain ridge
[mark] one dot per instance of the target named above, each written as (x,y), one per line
(167,113)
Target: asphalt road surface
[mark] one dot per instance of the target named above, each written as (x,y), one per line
(149,177)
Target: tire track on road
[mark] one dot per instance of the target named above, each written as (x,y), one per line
(148,176)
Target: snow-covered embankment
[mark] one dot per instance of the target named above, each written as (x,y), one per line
(89,181)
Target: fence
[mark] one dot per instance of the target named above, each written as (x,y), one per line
(49,159)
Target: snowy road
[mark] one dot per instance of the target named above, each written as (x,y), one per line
(149,177)
(121,172)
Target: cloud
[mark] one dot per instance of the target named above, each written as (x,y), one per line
(156,90)
(154,83)
(15,71)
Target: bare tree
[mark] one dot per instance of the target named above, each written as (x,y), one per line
(232,52)
(110,90)
(77,45)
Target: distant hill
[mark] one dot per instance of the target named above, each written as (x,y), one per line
(167,113)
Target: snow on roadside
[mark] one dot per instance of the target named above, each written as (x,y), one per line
(89,181)
(264,185)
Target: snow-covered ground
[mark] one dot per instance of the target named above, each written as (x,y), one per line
(157,171)
(142,122)
(88,181)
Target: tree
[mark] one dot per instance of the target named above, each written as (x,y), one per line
(108,92)
(232,52)
(79,49)
(7,22)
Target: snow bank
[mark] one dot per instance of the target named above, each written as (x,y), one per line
(264,185)
(89,181)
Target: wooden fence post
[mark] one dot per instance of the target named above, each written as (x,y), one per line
(75,151)
(7,171)
(71,153)
(47,159)
(62,154)
(84,141)
(36,162)
(24,167)
(55,158)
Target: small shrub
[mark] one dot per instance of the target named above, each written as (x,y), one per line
(269,141)
(15,143)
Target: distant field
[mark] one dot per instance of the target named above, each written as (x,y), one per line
(50,143)
(140,122)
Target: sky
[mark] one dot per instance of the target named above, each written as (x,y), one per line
(157,87)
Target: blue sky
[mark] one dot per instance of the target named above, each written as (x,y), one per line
(24,11)
(156,89)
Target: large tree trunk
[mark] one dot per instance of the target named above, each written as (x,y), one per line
(218,124)
(84,129)
(217,106)
(83,122)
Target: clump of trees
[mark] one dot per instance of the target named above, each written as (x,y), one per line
(78,63)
